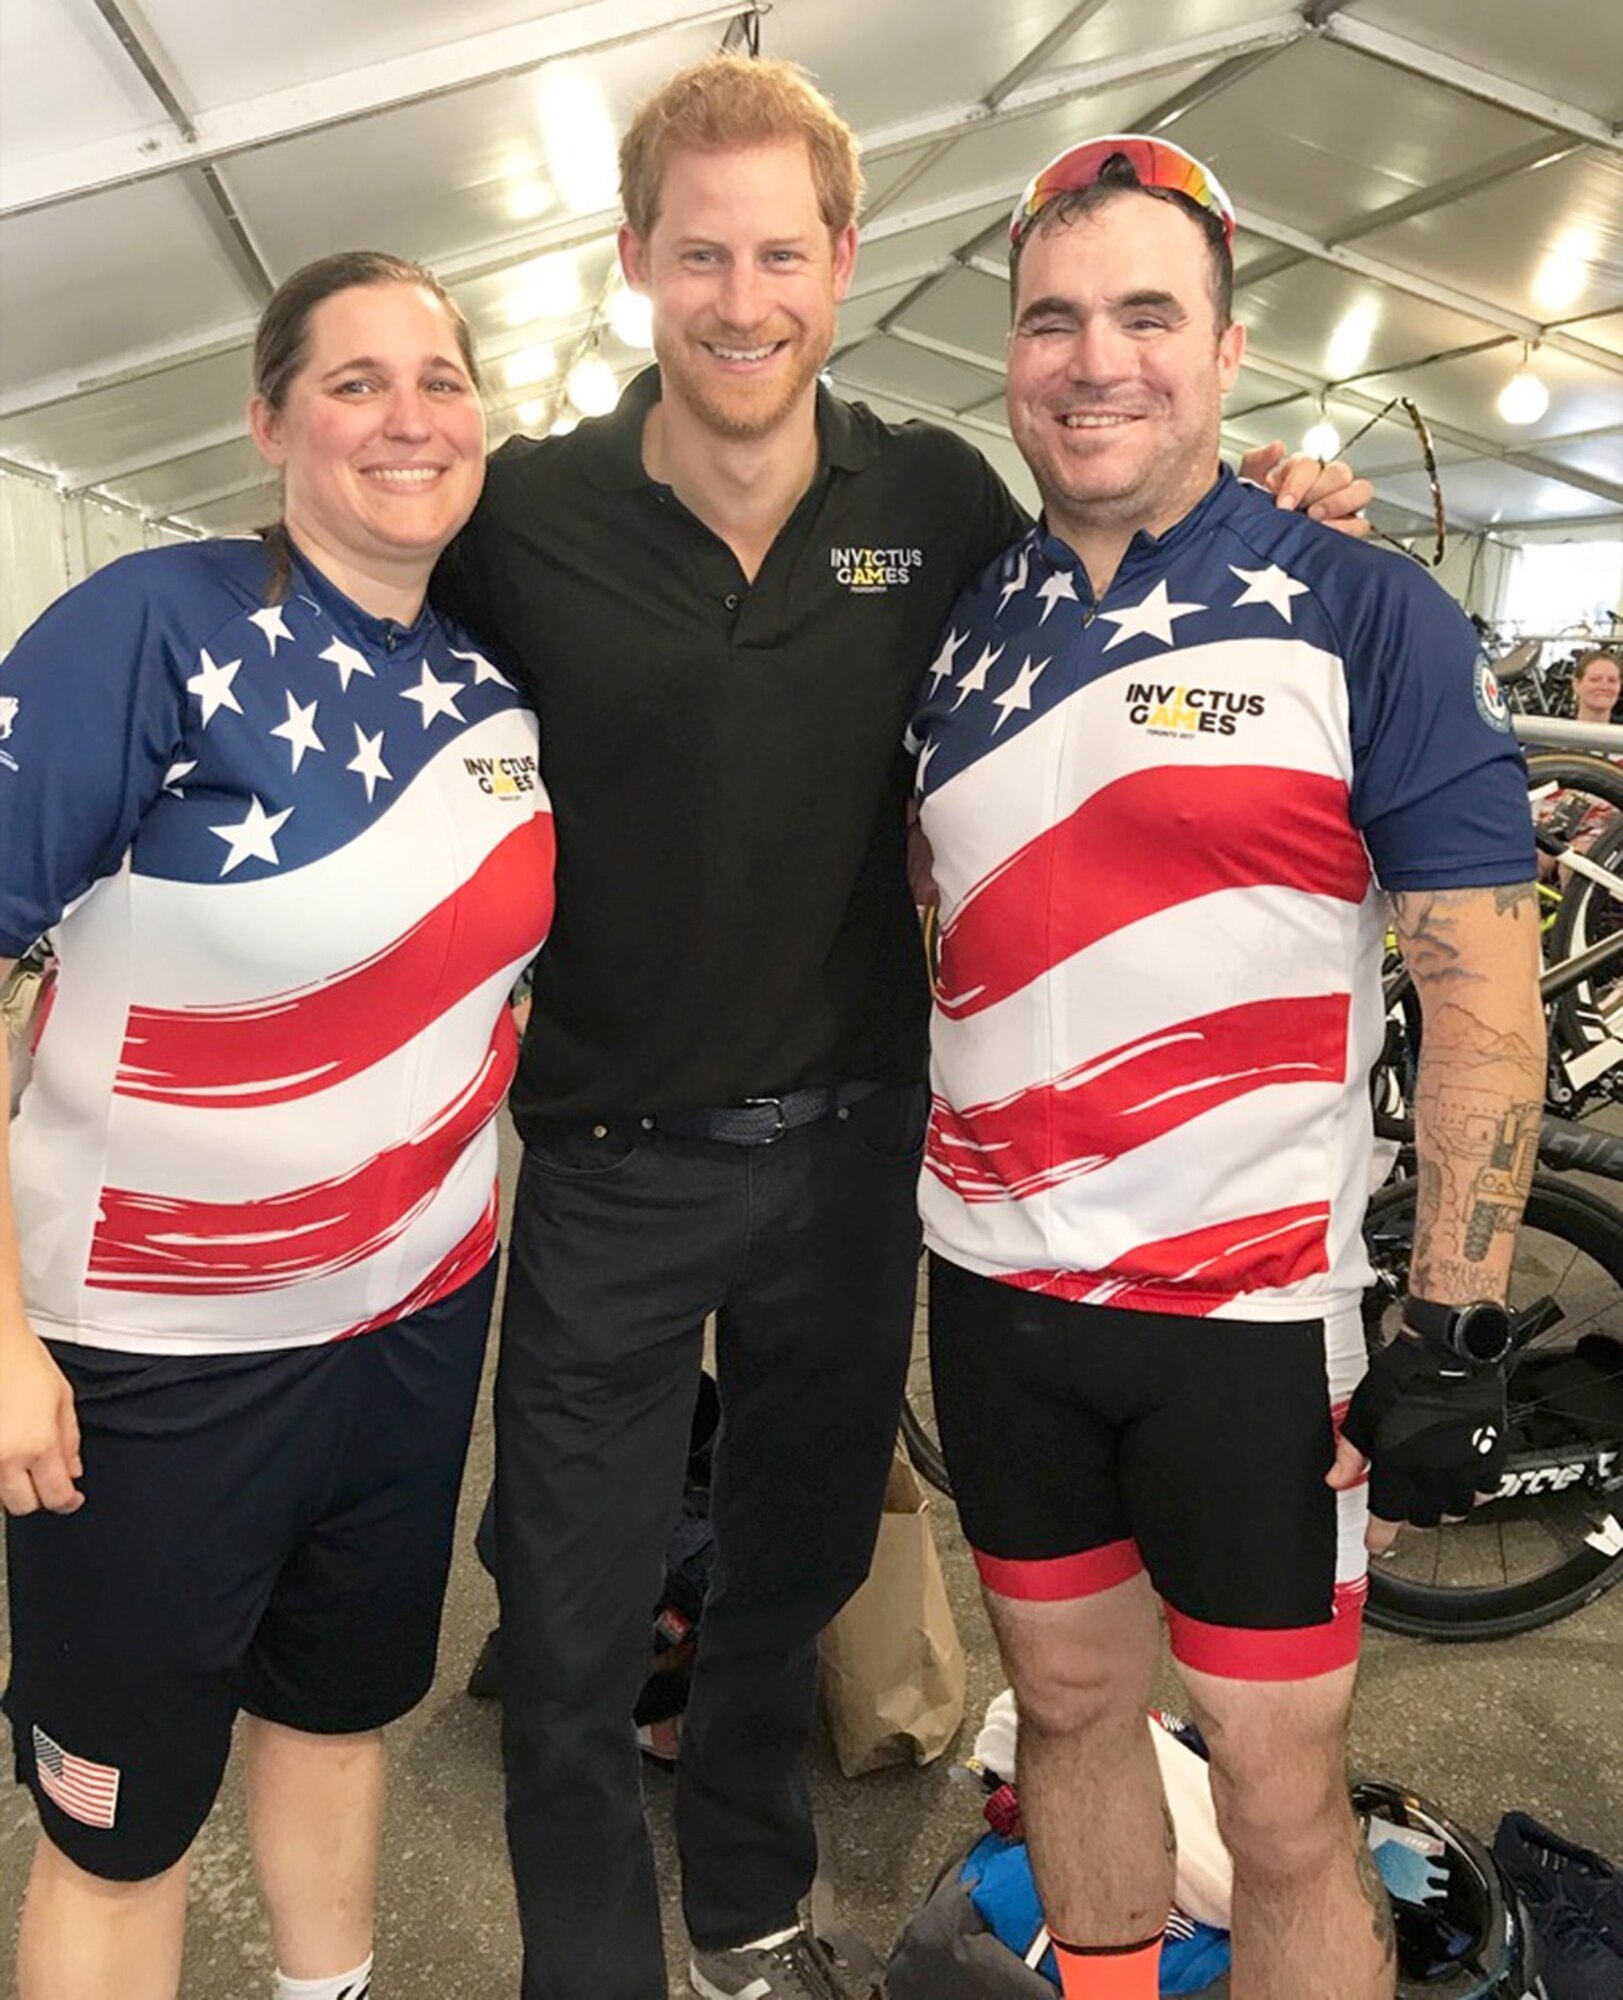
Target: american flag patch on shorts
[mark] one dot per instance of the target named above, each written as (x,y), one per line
(85,1791)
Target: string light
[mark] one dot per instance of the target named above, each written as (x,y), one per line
(593,386)
(1322,439)
(1524,398)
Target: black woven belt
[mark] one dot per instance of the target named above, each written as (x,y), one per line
(758,1121)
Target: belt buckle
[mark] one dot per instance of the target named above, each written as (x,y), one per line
(782,1125)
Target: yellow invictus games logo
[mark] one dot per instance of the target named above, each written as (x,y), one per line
(1165,710)
(502,777)
(865,571)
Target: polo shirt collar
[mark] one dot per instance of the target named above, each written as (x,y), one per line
(613,444)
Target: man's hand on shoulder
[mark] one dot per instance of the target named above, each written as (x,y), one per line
(1303,485)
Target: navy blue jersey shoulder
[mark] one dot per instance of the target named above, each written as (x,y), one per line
(1436,779)
(167,676)
(1439,782)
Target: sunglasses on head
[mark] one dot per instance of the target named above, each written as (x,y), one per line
(1156,162)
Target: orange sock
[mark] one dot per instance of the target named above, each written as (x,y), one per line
(1110,1971)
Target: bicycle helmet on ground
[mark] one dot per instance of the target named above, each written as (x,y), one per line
(1462,1931)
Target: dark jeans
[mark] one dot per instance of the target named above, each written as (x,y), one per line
(806,1250)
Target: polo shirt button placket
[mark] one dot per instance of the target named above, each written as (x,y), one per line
(731,600)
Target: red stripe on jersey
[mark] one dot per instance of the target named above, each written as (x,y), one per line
(1294,1654)
(1059,1579)
(1052,1132)
(455,1269)
(1239,827)
(161,1243)
(292,1045)
(1202,1269)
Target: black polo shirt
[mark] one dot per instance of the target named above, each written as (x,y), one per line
(723,757)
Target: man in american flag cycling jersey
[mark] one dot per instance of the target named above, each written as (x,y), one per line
(1175,752)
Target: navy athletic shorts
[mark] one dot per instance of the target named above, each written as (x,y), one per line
(1087,1443)
(265,1531)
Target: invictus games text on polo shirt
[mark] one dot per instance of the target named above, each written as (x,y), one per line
(863,571)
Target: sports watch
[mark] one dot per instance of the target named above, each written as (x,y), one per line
(1479,1333)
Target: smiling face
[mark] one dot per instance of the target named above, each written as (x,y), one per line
(1595,688)
(1118,369)
(380,439)
(744,279)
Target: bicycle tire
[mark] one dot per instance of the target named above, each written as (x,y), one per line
(1576,771)
(1556,1550)
(1590,1014)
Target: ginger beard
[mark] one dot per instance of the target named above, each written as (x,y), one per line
(744,278)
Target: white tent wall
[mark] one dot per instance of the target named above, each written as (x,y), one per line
(50,539)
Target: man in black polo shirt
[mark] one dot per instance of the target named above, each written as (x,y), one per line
(720,600)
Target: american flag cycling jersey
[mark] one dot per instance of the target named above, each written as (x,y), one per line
(293,858)
(1159,822)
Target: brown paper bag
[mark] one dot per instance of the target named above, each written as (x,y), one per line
(892,1663)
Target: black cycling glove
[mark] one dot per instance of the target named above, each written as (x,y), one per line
(1433,1428)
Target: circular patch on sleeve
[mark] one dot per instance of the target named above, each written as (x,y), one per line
(1490,698)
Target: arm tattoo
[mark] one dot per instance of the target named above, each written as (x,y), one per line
(1373,1891)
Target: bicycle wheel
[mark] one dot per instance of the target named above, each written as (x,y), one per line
(1551,1539)
(919,1434)
(1590,912)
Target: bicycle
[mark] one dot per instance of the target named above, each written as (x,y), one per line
(1551,1538)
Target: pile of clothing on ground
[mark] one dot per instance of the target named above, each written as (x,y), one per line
(1537,1918)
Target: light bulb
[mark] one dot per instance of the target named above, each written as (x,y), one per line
(1321,440)
(1524,398)
(631,317)
(592,386)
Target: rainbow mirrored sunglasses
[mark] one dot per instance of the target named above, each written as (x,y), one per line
(1157,163)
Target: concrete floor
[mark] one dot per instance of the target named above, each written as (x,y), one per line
(1534,1722)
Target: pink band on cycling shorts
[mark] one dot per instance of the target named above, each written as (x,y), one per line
(1057,1579)
(1298,1654)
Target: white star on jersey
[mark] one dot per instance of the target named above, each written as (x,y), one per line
(212,686)
(348,660)
(271,622)
(941,665)
(173,776)
(925,755)
(482,669)
(1152,617)
(1016,583)
(1269,586)
(435,696)
(255,836)
(975,680)
(1052,589)
(368,760)
(299,729)
(1018,693)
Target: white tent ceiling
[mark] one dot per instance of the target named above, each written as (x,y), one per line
(1423,185)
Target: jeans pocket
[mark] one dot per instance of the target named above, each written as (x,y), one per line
(581,1152)
(889,1123)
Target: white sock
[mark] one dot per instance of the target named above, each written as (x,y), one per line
(352,1985)
(764,1943)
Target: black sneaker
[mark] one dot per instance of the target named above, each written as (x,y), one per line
(1544,1866)
(795,1967)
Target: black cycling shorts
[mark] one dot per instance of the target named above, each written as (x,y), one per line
(265,1531)
(1086,1443)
